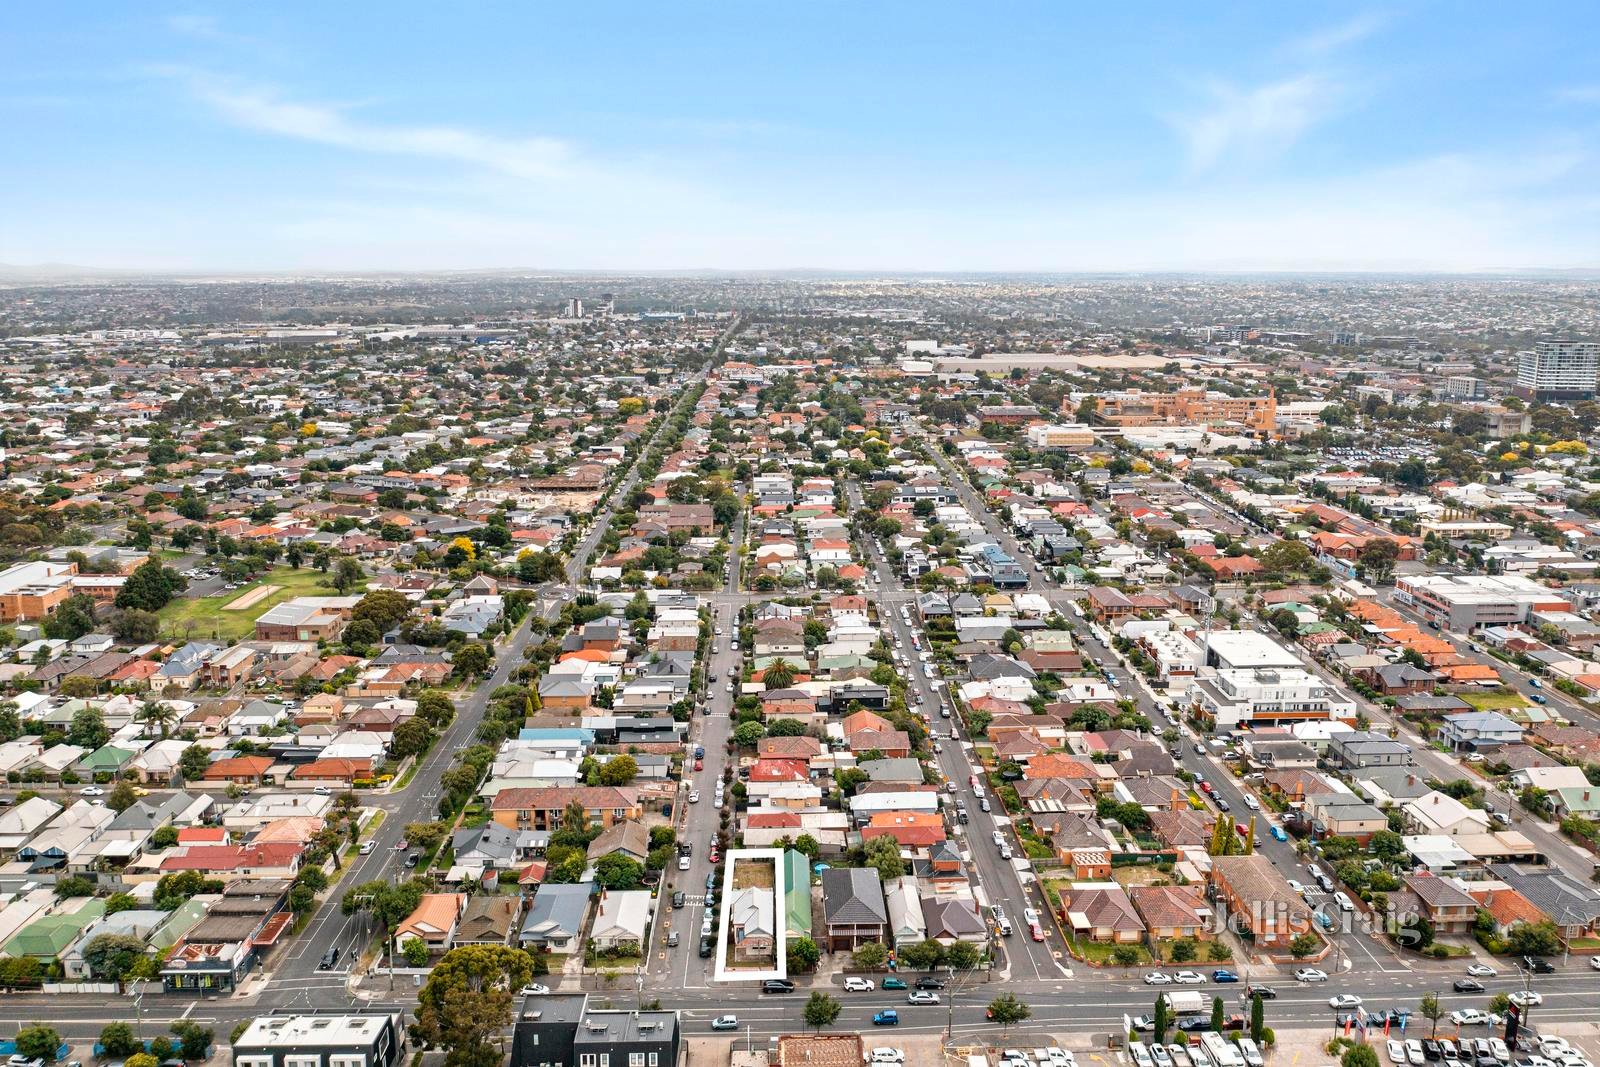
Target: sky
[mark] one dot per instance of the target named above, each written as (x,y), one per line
(757,135)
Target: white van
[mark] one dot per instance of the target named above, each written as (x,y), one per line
(1222,1052)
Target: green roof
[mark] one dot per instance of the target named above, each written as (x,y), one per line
(48,937)
(797,893)
(106,758)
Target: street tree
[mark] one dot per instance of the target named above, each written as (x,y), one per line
(821,1010)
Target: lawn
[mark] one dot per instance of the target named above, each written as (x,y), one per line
(202,618)
(1494,701)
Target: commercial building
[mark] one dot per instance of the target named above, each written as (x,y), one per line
(1563,369)
(561,1030)
(1465,602)
(1245,650)
(1266,696)
(31,591)
(364,1040)
(1069,435)
(1187,407)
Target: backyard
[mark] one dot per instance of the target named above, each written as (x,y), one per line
(205,618)
(1495,701)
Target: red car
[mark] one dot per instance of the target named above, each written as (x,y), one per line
(1035,931)
(1205,787)
(699,764)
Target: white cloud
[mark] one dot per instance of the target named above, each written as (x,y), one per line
(266,110)
(1579,94)
(1256,122)
(1333,38)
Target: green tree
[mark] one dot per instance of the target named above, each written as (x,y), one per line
(88,729)
(619,770)
(803,955)
(193,762)
(869,955)
(1007,1010)
(123,796)
(924,955)
(194,1040)
(1431,1010)
(1258,1018)
(821,1010)
(747,734)
(617,871)
(117,1040)
(883,854)
(1359,1056)
(1535,939)
(471,660)
(38,1042)
(1218,1017)
(149,587)
(467,1002)
(1304,945)
(779,674)
(963,955)
(1161,1019)
(142,1059)
(415,952)
(1184,950)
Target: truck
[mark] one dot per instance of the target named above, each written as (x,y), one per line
(1187,1002)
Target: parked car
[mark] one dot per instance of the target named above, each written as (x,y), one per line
(679,899)
(1157,978)
(922,997)
(1223,975)
(894,983)
(854,984)
(777,985)
(1538,965)
(706,947)
(930,982)
(1467,985)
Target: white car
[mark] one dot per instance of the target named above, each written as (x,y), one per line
(683,863)
(91,791)
(1483,970)
(1161,1056)
(1471,1017)
(1397,1053)
(1344,1000)
(888,1055)
(1310,974)
(1299,887)
(1157,978)
(859,985)
(1189,978)
(534,990)
(694,796)
(1526,998)
(1594,963)
(1414,1054)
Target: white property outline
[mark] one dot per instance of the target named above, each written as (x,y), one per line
(780,922)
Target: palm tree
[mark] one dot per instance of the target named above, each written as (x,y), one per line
(778,675)
(155,713)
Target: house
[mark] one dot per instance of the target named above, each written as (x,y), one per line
(951,919)
(239,770)
(489,919)
(752,923)
(542,809)
(906,925)
(1444,904)
(496,848)
(1363,748)
(622,921)
(433,922)
(1573,906)
(1344,815)
(1172,911)
(1479,730)
(628,839)
(1256,895)
(555,918)
(368,1039)
(238,929)
(853,908)
(1438,813)
(1102,911)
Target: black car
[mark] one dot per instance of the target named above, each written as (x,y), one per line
(1538,965)
(929,982)
(1265,992)
(777,985)
(329,958)
(706,948)
(1431,1050)
(1467,985)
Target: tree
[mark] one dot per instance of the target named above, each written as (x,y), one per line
(347,574)
(149,587)
(136,626)
(1008,1010)
(142,1059)
(384,608)
(1285,557)
(1258,1018)
(804,954)
(1359,1056)
(416,952)
(883,853)
(1431,1010)
(39,1042)
(747,734)
(193,763)
(1161,1019)
(1535,939)
(1184,950)
(467,1002)
(75,886)
(117,1040)
(1304,945)
(123,796)
(619,770)
(869,955)
(1377,558)
(436,709)
(88,729)
(1218,1017)
(471,660)
(121,902)
(617,871)
(821,1010)
(194,1040)
(963,955)
(925,955)
(779,674)
(411,737)
(388,903)
(71,619)
(158,716)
